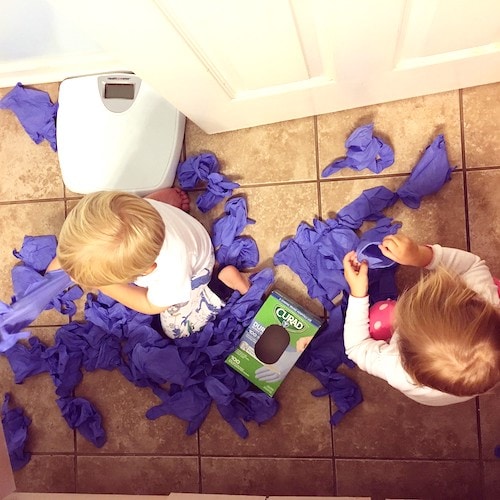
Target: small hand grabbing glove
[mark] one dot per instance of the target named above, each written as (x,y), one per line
(356,275)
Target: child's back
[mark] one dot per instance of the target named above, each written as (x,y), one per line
(146,254)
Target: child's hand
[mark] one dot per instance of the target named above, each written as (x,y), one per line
(356,275)
(302,343)
(403,250)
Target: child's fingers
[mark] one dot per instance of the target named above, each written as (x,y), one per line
(348,258)
(385,252)
(391,241)
(363,268)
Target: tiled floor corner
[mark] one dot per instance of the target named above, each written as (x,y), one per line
(388,446)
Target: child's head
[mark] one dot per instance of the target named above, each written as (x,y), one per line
(110,237)
(449,335)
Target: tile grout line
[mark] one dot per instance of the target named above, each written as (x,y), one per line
(468,243)
(316,154)
(200,486)
(468,246)
(464,170)
(325,314)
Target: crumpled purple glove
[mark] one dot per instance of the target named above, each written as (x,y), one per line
(243,253)
(21,313)
(196,169)
(429,175)
(218,188)
(226,228)
(322,358)
(35,111)
(37,252)
(205,168)
(369,205)
(80,414)
(26,362)
(15,426)
(25,279)
(363,151)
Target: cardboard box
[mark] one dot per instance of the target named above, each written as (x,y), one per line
(273,342)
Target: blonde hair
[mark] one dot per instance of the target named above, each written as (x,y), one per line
(449,336)
(110,237)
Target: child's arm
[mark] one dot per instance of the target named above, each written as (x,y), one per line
(470,267)
(360,347)
(134,297)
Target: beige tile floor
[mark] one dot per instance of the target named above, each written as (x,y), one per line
(388,446)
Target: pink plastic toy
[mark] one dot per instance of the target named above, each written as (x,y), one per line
(381,317)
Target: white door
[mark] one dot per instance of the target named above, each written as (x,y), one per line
(230,64)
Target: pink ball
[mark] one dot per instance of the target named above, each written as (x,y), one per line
(381,317)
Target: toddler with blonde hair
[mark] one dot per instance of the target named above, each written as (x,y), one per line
(148,255)
(445,346)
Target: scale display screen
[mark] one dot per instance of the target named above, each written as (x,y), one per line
(119,90)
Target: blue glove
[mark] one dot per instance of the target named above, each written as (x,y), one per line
(277,371)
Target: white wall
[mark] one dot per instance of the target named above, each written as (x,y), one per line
(32,29)
(38,45)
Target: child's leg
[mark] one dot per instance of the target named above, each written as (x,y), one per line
(207,298)
(171,196)
(226,280)
(233,278)
(184,319)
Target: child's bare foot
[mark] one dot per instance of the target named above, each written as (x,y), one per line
(172,196)
(234,279)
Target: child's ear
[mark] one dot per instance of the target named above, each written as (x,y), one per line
(150,270)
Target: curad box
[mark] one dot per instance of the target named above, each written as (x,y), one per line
(273,342)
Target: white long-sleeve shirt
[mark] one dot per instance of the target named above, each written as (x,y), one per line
(383,359)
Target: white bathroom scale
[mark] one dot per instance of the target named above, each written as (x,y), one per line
(115,132)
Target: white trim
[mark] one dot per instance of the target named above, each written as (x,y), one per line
(55,69)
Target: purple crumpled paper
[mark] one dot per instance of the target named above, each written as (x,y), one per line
(364,150)
(35,111)
(15,426)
